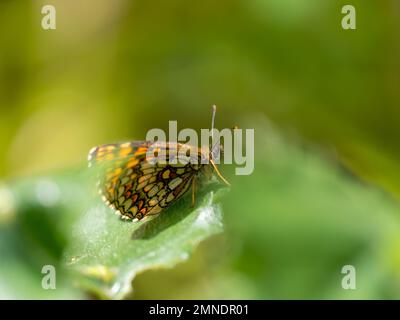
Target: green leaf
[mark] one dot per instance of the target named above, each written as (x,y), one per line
(108,252)
(58,220)
(291,227)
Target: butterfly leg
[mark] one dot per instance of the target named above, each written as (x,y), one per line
(193,191)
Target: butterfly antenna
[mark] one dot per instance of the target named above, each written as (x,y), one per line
(219,173)
(213,144)
(214,111)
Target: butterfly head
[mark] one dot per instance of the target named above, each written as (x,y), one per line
(216,148)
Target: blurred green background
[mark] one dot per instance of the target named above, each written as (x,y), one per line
(325,104)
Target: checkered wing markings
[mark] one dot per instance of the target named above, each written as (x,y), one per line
(113,152)
(147,189)
(137,188)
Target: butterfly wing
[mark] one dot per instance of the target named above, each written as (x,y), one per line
(107,153)
(134,185)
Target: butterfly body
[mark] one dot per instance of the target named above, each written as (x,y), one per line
(142,178)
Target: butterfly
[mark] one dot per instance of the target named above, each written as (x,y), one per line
(136,187)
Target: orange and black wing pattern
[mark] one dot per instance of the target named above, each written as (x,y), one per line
(134,185)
